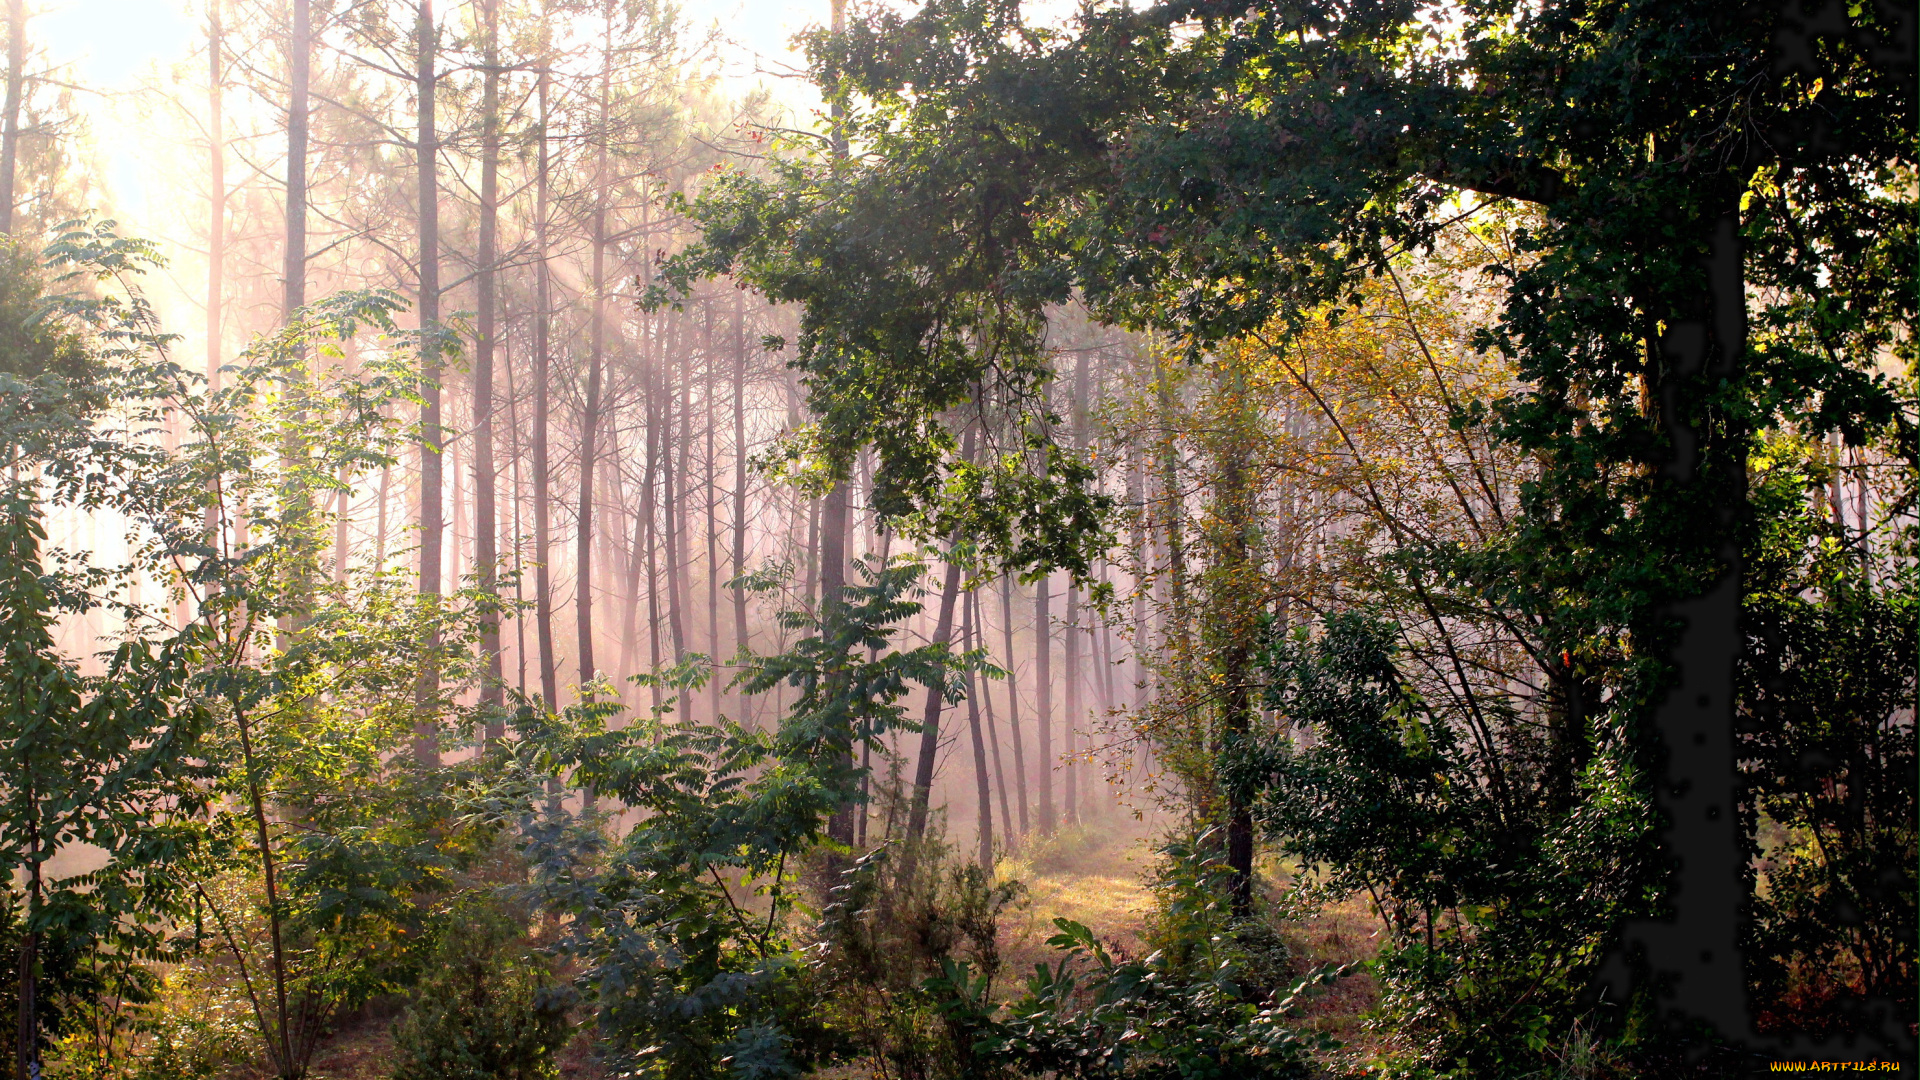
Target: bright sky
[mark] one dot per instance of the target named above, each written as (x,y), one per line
(107,45)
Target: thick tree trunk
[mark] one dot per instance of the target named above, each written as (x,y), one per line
(426,155)
(485,529)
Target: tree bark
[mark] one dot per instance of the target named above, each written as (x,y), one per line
(542,367)
(596,348)
(930,720)
(672,481)
(740,637)
(216,218)
(426,159)
(982,791)
(26,1046)
(712,492)
(1043,692)
(485,529)
(1013,706)
(993,730)
(16,85)
(1070,720)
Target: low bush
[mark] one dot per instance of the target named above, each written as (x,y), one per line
(487,1008)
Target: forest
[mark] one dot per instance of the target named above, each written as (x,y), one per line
(1181,539)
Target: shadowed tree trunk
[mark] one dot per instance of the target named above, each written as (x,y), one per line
(981,788)
(930,721)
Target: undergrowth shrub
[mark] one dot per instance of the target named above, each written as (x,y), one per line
(487,1007)
(900,920)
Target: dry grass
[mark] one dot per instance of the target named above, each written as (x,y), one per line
(1092,878)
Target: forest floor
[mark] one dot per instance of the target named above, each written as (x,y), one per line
(1100,880)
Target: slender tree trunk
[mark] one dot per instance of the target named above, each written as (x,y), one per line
(1013,705)
(739,473)
(10,133)
(517,485)
(269,879)
(293,267)
(26,1046)
(542,377)
(649,477)
(1070,795)
(674,439)
(930,721)
(811,557)
(1043,691)
(1239,615)
(596,348)
(485,529)
(426,158)
(1171,519)
(216,189)
(713,531)
(216,215)
(978,615)
(982,790)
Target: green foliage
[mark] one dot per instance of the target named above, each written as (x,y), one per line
(1140,1018)
(688,973)
(1497,921)
(48,378)
(888,943)
(1828,759)
(110,761)
(486,1009)
(1193,927)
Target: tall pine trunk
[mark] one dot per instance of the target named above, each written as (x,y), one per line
(216,220)
(1043,693)
(542,378)
(1013,706)
(982,791)
(740,638)
(993,730)
(426,154)
(485,529)
(10,130)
